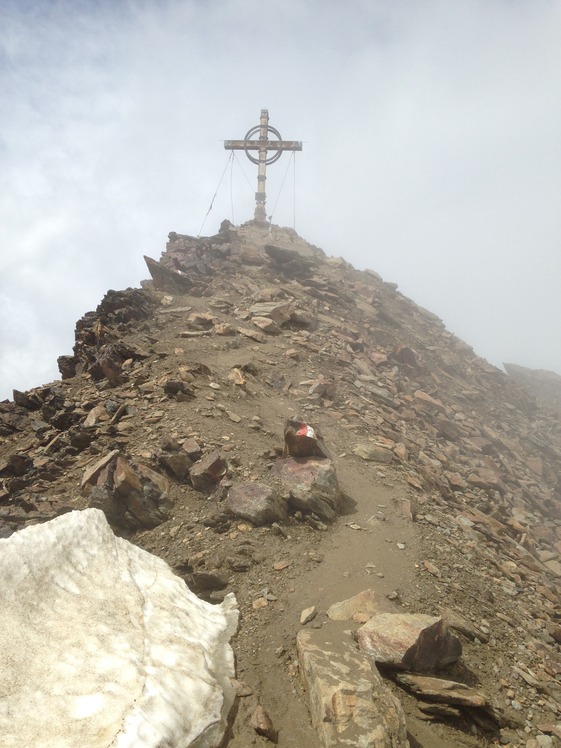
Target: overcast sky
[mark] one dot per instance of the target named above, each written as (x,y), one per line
(432,153)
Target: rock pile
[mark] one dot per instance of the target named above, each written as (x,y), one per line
(172,416)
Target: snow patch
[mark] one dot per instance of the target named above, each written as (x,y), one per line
(104,646)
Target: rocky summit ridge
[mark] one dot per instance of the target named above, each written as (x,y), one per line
(385,504)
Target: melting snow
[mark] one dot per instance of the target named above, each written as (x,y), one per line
(102,645)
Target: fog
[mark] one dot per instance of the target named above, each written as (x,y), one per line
(431,153)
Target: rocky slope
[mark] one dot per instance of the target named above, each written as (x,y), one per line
(544,385)
(170,416)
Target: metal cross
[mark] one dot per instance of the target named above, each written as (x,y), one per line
(263,145)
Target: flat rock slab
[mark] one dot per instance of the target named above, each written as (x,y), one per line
(361,607)
(349,702)
(266,324)
(409,641)
(105,646)
(445,691)
(374,453)
(278,311)
(256,502)
(312,485)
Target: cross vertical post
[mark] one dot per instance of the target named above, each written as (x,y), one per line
(260,195)
(263,146)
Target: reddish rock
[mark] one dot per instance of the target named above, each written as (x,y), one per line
(256,502)
(92,472)
(303,440)
(446,691)
(409,641)
(312,485)
(208,471)
(125,480)
(131,495)
(263,724)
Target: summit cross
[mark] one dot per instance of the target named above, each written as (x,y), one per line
(263,145)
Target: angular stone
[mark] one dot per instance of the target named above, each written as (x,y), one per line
(168,280)
(208,471)
(444,691)
(426,402)
(367,602)
(278,311)
(374,453)
(457,483)
(259,337)
(448,430)
(303,440)
(307,615)
(256,502)
(125,480)
(97,414)
(312,485)
(459,623)
(268,326)
(200,321)
(131,496)
(177,463)
(487,479)
(263,724)
(409,641)
(92,472)
(349,702)
(192,448)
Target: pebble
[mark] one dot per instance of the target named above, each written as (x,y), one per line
(307,615)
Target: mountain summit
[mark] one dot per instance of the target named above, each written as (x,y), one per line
(272,422)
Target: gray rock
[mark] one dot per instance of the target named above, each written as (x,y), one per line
(374,453)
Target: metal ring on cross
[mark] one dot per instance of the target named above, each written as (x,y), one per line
(254,131)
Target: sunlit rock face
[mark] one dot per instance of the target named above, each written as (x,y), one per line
(102,645)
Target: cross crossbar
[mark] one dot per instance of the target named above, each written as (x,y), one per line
(270,145)
(263,145)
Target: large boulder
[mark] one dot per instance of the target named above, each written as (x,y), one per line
(131,494)
(105,646)
(349,702)
(409,641)
(256,502)
(312,485)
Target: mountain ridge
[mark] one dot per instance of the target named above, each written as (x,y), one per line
(234,334)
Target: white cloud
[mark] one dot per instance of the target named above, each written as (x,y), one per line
(431,153)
